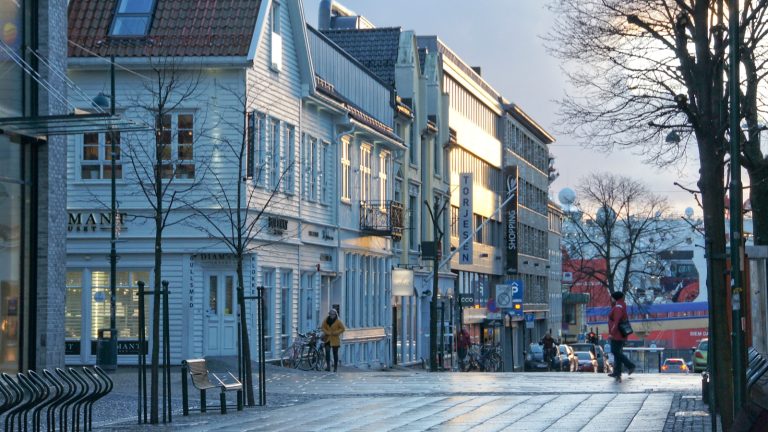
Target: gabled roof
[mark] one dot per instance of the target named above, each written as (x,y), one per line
(375,48)
(179,28)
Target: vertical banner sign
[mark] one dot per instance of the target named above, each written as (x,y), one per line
(510,212)
(466,226)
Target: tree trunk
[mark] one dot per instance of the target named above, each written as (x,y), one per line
(246,344)
(713,191)
(153,410)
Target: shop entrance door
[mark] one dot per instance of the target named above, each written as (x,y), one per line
(221,323)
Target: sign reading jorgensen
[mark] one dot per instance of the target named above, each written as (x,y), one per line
(510,213)
(466,226)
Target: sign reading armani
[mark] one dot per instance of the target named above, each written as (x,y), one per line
(510,212)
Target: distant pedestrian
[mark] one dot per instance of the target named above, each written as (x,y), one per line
(463,341)
(549,347)
(592,337)
(332,328)
(618,314)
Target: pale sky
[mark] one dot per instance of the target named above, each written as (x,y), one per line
(504,38)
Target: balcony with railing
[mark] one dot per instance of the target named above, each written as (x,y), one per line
(382,218)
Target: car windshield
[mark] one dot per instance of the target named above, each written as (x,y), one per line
(563,350)
(703,345)
(583,355)
(674,362)
(536,348)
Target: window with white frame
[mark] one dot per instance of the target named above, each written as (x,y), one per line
(275,173)
(313,168)
(176,145)
(345,169)
(290,158)
(365,172)
(384,158)
(324,175)
(277,38)
(257,147)
(268,281)
(96,160)
(286,285)
(438,155)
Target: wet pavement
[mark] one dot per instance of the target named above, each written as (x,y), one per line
(414,400)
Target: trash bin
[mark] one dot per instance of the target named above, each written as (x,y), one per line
(106,349)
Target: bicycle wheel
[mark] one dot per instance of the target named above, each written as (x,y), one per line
(497,364)
(321,364)
(307,358)
(288,358)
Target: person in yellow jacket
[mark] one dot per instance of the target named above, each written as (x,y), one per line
(332,328)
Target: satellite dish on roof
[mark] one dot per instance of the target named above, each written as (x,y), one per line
(688,212)
(566,196)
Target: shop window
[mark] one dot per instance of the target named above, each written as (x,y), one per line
(96,160)
(286,283)
(126,302)
(73,307)
(176,146)
(268,281)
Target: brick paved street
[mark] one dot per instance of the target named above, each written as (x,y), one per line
(406,400)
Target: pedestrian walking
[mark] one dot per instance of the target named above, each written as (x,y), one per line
(332,328)
(617,315)
(463,341)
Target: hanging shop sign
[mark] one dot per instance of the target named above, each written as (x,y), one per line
(510,213)
(466,225)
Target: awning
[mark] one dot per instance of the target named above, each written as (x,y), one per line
(69,124)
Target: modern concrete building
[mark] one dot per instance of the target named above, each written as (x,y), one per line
(33,116)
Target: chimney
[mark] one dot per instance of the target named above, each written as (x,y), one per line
(478,70)
(324,15)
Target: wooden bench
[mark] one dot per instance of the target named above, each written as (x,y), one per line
(201,379)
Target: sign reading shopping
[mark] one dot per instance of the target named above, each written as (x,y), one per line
(466,222)
(510,213)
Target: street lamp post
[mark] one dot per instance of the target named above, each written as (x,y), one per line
(434,215)
(737,289)
(108,358)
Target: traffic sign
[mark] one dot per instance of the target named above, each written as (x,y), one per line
(504,296)
(517,289)
(529,320)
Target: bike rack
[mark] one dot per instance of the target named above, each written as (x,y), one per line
(66,395)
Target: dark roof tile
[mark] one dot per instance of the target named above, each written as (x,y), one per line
(375,48)
(179,28)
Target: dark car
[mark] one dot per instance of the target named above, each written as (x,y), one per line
(587,361)
(534,358)
(600,356)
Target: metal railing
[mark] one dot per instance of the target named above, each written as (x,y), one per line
(382,218)
(64,397)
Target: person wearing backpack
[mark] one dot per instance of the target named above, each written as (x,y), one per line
(617,315)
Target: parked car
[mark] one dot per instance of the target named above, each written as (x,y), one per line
(674,365)
(600,355)
(587,361)
(567,359)
(534,358)
(700,356)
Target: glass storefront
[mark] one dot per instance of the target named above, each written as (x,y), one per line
(11,75)
(87,307)
(14,215)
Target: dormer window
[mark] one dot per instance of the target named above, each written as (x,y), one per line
(132,17)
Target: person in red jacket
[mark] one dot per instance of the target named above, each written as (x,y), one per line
(618,313)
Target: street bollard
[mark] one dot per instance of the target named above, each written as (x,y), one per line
(705,387)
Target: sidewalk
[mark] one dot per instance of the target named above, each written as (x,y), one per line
(410,399)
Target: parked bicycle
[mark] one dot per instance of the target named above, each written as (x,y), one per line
(307,352)
(484,358)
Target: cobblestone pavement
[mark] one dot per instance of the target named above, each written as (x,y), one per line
(408,400)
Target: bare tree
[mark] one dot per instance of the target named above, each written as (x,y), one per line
(650,75)
(235,211)
(616,232)
(165,168)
